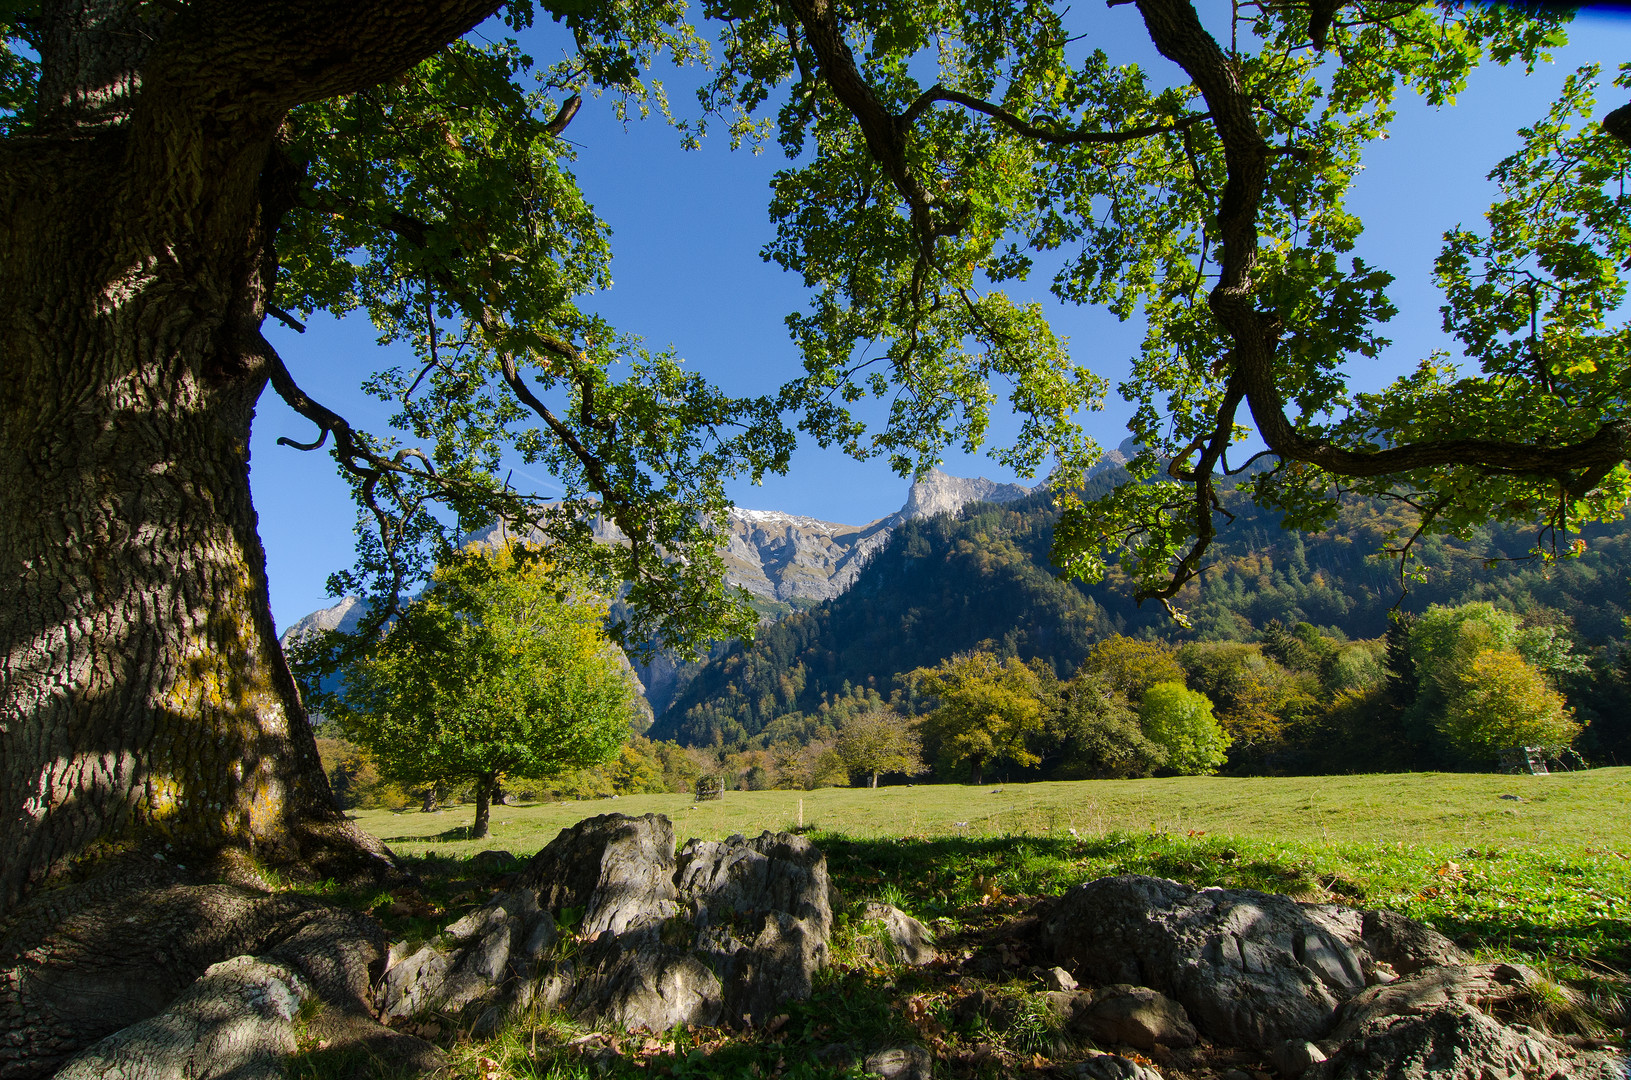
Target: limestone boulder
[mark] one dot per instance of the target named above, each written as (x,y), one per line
(1124,1015)
(760,916)
(1405,945)
(616,869)
(726,932)
(1455,1041)
(1251,969)
(1438,1023)
(493,951)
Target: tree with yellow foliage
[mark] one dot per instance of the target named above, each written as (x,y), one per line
(988,711)
(1503,702)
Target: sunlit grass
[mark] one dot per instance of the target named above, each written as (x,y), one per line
(1542,878)
(1573,810)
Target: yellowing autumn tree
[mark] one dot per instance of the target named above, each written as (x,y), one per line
(988,711)
(1501,702)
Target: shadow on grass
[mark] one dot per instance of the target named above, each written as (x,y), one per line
(446,836)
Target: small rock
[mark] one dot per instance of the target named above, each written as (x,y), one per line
(1114,1067)
(1058,978)
(1293,1057)
(991,1008)
(900,1063)
(906,941)
(1236,1074)
(1135,1016)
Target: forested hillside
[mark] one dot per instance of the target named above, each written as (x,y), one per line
(949,584)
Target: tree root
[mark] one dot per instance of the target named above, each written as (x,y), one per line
(122,971)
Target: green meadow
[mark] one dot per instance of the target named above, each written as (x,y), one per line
(1573,810)
(1534,869)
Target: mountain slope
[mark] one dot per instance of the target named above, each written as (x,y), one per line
(946,585)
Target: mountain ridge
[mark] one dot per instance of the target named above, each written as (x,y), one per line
(787,562)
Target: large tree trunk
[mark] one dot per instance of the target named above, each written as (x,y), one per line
(143,694)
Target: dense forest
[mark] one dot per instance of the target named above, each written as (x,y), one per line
(982,580)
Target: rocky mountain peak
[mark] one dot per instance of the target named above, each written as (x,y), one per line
(942,493)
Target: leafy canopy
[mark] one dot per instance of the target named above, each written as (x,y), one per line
(940,154)
(987,711)
(949,151)
(501,668)
(1180,721)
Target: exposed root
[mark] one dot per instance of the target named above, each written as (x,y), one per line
(138,941)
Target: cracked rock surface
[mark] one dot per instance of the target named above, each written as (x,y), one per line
(1315,986)
(723,933)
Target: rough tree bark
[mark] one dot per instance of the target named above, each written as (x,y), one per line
(142,690)
(144,700)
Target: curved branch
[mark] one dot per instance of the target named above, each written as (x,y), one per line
(569,109)
(1177,32)
(1041,134)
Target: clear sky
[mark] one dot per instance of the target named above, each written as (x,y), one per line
(687,231)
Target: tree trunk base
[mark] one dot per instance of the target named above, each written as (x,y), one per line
(135,942)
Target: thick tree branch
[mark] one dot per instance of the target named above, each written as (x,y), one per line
(569,109)
(884,131)
(1042,134)
(1618,124)
(1177,32)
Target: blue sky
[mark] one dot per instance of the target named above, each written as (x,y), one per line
(687,230)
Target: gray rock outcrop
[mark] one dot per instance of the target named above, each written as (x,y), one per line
(1124,1015)
(1437,1024)
(724,933)
(493,951)
(1328,992)
(1252,969)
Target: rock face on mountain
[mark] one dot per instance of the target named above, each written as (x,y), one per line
(344,616)
(797,561)
(800,561)
(940,493)
(786,560)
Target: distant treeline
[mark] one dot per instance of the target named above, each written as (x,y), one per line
(981,580)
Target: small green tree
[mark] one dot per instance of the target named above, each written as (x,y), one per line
(501,668)
(879,741)
(988,711)
(1180,721)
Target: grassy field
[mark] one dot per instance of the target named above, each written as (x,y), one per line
(1573,811)
(1536,869)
